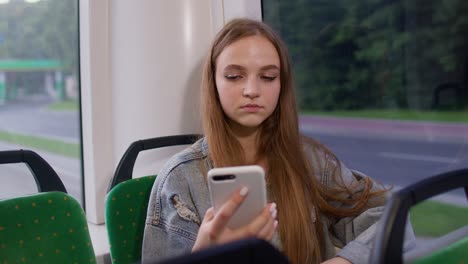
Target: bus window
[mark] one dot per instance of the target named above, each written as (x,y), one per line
(384,85)
(39,92)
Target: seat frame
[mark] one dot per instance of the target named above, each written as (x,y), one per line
(388,246)
(124,169)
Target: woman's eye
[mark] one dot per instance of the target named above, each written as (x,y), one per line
(268,78)
(232,77)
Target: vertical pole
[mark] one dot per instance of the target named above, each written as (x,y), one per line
(59,86)
(2,87)
(12,92)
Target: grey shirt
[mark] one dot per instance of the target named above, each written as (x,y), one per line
(180,198)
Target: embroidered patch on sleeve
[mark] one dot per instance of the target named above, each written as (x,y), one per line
(183,210)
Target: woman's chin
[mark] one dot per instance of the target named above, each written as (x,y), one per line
(246,125)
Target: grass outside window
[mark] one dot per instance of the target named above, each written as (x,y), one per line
(406,115)
(71,150)
(435,219)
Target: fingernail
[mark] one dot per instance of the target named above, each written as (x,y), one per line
(276,223)
(243,191)
(273,214)
(272,207)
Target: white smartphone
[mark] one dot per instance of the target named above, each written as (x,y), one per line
(223,182)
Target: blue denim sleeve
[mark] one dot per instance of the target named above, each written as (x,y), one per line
(361,238)
(172,221)
(355,235)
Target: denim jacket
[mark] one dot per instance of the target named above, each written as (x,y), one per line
(180,198)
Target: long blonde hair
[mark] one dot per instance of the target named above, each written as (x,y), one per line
(291,181)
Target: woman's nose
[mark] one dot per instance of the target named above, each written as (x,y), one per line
(251,89)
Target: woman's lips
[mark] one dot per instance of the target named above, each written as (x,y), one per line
(251,108)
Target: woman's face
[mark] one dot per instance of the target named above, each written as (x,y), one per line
(248,81)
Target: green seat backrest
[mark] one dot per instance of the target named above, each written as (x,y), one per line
(126,206)
(47,227)
(456,253)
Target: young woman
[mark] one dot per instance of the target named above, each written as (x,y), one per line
(249,117)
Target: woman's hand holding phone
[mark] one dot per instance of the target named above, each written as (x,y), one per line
(214,228)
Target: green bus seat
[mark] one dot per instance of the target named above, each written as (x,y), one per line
(127,200)
(46,227)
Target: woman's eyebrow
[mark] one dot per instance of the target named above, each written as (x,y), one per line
(234,67)
(238,67)
(269,67)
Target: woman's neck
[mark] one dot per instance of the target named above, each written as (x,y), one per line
(250,146)
(248,139)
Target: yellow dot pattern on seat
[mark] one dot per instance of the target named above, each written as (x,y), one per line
(36,229)
(125,218)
